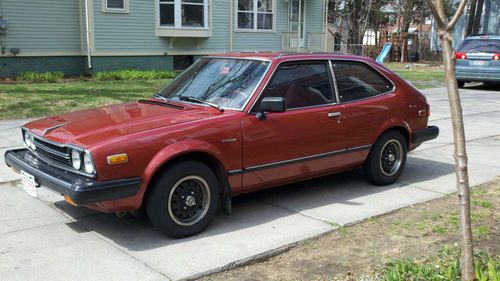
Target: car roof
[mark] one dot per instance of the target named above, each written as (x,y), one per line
(483,36)
(289,56)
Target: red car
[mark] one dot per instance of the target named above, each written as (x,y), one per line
(228,125)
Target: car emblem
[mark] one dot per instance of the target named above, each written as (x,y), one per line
(230,140)
(53,128)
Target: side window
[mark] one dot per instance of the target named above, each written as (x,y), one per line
(356,80)
(301,84)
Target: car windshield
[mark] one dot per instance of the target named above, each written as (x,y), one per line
(480,46)
(225,82)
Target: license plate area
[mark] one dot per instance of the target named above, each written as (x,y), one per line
(478,62)
(29,184)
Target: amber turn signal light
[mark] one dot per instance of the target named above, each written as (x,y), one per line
(70,201)
(117,159)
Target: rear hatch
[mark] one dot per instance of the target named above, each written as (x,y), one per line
(479,54)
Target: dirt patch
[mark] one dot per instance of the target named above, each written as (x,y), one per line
(353,252)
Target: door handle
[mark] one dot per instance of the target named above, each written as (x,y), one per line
(334,114)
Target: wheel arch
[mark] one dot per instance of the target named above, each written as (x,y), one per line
(206,156)
(395,125)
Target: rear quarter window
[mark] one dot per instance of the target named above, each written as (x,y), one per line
(356,81)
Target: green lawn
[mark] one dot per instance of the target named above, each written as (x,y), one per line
(418,72)
(23,100)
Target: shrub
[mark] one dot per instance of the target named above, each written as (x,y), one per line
(129,74)
(47,77)
(445,266)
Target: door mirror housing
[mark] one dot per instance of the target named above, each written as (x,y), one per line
(271,104)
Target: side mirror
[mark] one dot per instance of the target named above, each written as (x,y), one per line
(271,104)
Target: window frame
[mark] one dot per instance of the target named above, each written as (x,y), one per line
(332,62)
(255,18)
(331,78)
(178,15)
(106,9)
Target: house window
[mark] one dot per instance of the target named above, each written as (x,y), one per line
(115,6)
(255,14)
(183,13)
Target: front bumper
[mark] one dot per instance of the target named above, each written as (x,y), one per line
(82,190)
(426,134)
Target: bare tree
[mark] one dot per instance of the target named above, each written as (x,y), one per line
(445,29)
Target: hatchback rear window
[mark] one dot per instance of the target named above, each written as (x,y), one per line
(480,46)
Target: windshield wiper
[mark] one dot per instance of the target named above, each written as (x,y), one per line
(193,99)
(160,97)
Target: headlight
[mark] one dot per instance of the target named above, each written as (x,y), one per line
(88,164)
(32,141)
(29,140)
(76,159)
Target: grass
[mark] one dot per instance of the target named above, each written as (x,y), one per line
(444,266)
(418,73)
(23,100)
(47,77)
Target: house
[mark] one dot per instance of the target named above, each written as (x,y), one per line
(88,36)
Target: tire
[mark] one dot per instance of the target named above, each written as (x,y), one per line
(378,167)
(461,84)
(183,199)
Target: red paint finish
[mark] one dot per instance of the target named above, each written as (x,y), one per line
(254,154)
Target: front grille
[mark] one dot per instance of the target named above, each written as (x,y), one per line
(53,153)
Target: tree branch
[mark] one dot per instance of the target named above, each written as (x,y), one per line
(440,10)
(435,13)
(457,15)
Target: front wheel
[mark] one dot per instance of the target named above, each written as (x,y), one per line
(387,159)
(183,199)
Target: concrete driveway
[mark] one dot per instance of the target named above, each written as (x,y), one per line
(47,239)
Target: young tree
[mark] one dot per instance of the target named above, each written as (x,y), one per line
(445,29)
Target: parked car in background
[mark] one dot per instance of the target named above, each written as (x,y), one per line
(228,125)
(478,60)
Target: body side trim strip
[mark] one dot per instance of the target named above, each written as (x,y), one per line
(297,160)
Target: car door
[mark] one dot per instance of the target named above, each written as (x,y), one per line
(305,140)
(369,101)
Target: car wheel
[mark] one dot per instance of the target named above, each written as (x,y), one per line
(183,199)
(461,84)
(387,159)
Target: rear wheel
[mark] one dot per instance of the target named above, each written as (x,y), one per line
(387,159)
(183,199)
(461,84)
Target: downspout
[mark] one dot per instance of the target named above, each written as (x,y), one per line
(231,15)
(87,20)
(299,20)
(325,14)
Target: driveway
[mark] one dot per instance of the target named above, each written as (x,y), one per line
(47,239)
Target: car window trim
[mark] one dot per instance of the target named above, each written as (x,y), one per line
(334,79)
(333,102)
(376,70)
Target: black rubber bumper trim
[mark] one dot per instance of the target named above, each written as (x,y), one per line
(429,133)
(81,189)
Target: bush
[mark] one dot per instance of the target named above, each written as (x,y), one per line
(47,77)
(446,266)
(134,75)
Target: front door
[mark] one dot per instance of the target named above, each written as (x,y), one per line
(306,140)
(297,20)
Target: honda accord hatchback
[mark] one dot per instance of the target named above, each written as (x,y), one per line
(229,124)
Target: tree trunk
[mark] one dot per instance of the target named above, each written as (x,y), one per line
(477,18)
(460,155)
(471,17)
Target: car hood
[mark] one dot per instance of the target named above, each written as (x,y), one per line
(88,127)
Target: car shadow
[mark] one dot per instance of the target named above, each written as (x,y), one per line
(253,209)
(482,87)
